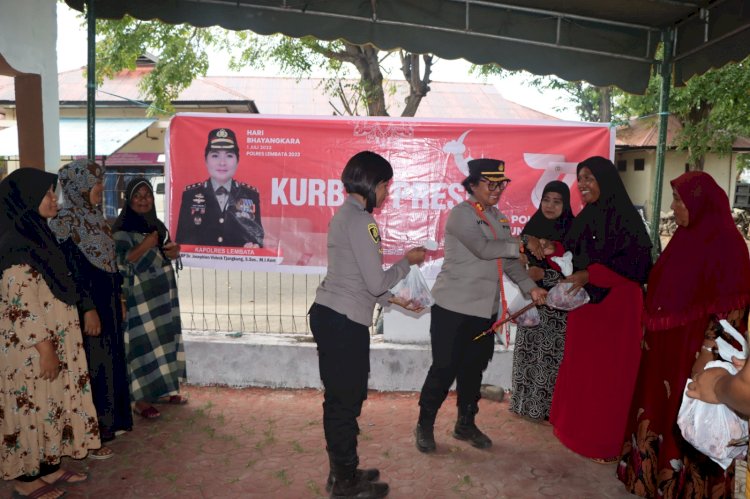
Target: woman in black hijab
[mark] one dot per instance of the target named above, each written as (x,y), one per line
(539,349)
(153,336)
(44,381)
(611,259)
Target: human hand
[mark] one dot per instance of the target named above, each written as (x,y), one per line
(536,273)
(538,296)
(49,363)
(738,363)
(579,280)
(92,326)
(703,386)
(172,250)
(407,304)
(415,256)
(702,358)
(151,240)
(548,247)
(523,259)
(534,246)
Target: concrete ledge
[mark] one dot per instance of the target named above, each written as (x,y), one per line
(291,361)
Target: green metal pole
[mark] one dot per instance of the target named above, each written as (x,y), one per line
(661,146)
(91,82)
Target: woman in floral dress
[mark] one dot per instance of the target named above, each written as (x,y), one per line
(46,410)
(703,274)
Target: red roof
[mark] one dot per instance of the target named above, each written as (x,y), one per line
(644,133)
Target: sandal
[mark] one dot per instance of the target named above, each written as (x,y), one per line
(101,453)
(604,460)
(66,476)
(37,493)
(149,412)
(174,400)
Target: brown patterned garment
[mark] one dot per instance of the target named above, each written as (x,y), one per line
(40,421)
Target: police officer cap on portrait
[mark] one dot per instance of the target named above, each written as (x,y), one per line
(221,211)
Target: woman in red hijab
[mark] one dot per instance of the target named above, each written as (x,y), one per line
(703,273)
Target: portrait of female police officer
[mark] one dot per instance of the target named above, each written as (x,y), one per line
(479,249)
(220,211)
(342,313)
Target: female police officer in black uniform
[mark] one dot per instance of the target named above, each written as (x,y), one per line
(342,314)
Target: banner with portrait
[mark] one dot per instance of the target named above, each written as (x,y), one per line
(256,192)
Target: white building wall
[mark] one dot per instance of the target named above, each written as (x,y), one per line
(28,36)
(640,184)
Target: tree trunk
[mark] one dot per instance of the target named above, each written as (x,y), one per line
(418,84)
(605,104)
(365,59)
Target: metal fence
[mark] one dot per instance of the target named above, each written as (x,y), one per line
(213,300)
(266,302)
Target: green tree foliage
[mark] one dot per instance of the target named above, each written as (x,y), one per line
(183,54)
(714,108)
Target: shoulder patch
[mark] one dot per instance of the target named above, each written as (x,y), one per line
(374,232)
(193,186)
(247,186)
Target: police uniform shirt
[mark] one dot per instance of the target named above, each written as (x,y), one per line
(355,280)
(221,191)
(468,282)
(230,218)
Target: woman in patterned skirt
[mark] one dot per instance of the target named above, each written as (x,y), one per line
(539,349)
(153,337)
(46,410)
(703,274)
(86,241)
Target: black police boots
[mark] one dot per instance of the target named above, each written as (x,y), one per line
(347,481)
(367,474)
(424,433)
(465,428)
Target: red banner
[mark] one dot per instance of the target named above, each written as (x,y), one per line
(283,186)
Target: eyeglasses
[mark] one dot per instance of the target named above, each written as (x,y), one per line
(495,185)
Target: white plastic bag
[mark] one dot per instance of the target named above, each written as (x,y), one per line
(558,297)
(530,318)
(413,289)
(727,351)
(710,427)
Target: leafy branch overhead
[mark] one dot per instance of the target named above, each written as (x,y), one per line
(714,108)
(182,54)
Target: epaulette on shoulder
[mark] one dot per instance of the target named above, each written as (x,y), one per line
(247,186)
(193,186)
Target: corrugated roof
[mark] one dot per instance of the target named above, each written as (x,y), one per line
(283,95)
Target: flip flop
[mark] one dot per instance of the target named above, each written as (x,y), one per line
(174,400)
(94,454)
(67,475)
(37,493)
(148,413)
(608,460)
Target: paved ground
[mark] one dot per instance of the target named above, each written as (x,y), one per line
(263,443)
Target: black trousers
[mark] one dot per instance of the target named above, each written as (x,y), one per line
(455,357)
(44,470)
(344,361)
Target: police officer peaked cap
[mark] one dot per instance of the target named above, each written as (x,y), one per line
(491,169)
(222,139)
